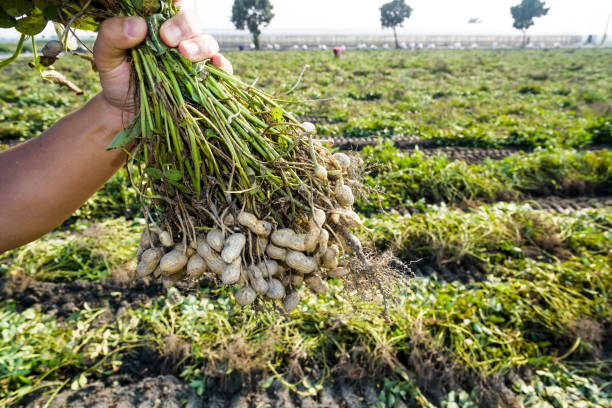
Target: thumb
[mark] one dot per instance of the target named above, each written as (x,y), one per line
(117,35)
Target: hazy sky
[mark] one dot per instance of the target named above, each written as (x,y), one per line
(429,16)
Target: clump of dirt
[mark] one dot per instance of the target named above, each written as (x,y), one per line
(541,238)
(592,335)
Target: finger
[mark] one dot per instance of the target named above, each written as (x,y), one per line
(184,25)
(117,35)
(223,63)
(199,48)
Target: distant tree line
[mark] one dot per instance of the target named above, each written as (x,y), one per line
(253,15)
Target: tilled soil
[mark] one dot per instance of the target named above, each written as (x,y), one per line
(169,392)
(449,273)
(115,293)
(568,205)
(550,203)
(163,391)
(428,147)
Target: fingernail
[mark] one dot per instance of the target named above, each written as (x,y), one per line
(173,35)
(132,27)
(190,48)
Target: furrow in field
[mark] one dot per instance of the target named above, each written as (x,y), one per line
(430,147)
(115,293)
(550,203)
(427,146)
(235,390)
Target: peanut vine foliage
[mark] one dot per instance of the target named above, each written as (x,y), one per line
(229,181)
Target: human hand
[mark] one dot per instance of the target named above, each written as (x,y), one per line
(119,34)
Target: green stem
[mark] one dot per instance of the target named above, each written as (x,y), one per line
(4,63)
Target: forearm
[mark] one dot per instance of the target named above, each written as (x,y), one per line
(43,181)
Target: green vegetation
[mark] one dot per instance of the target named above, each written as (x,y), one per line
(450,96)
(527,311)
(490,235)
(89,251)
(407,179)
(529,324)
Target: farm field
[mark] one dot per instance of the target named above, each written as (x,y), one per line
(488,182)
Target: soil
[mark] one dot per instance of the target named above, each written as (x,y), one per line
(568,205)
(116,293)
(317,119)
(550,203)
(162,391)
(430,147)
(168,392)
(465,272)
(147,378)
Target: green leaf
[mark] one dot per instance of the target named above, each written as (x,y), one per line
(170,189)
(496,319)
(173,175)
(87,23)
(153,41)
(50,13)
(154,173)
(277,115)
(199,67)
(178,186)
(17,8)
(31,24)
(129,133)
(6,21)
(267,382)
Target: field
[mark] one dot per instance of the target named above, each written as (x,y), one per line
(490,189)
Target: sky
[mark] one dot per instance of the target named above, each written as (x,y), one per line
(429,17)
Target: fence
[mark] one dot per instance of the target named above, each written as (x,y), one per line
(443,41)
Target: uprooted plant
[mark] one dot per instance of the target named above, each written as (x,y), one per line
(230,182)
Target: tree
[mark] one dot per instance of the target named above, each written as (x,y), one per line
(393,14)
(252,15)
(524,14)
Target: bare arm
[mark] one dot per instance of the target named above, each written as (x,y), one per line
(46,179)
(43,181)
